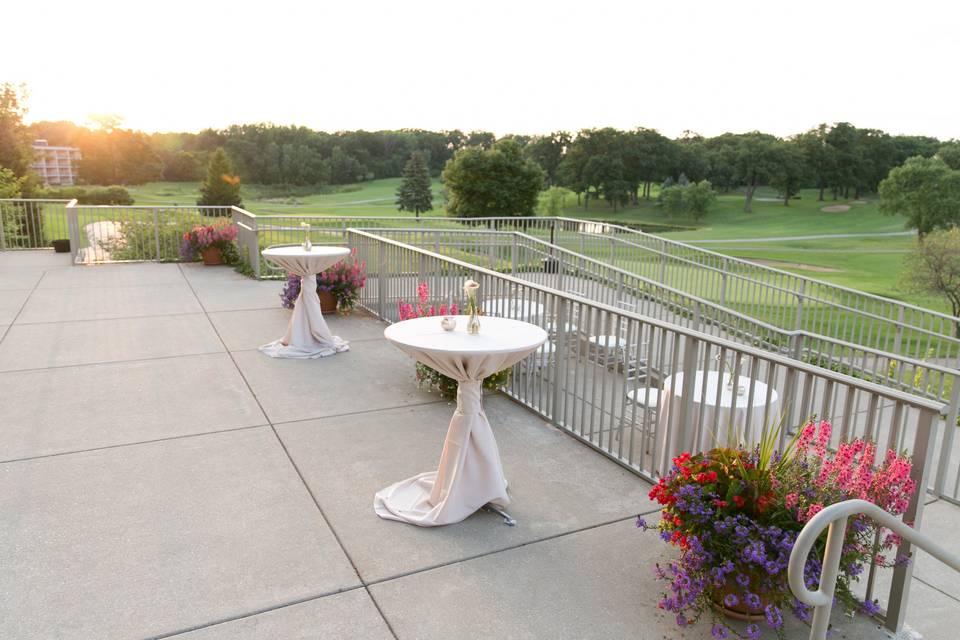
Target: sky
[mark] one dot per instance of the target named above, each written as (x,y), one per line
(520,66)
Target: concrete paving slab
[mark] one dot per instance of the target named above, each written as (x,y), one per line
(35,258)
(372,375)
(19,277)
(242,330)
(556,485)
(227,296)
(51,411)
(10,304)
(941,520)
(145,540)
(592,584)
(343,616)
(199,273)
(145,274)
(35,346)
(60,305)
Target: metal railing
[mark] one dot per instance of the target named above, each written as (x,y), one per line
(31,223)
(835,517)
(785,299)
(601,372)
(133,233)
(550,265)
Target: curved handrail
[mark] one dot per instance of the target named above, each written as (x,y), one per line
(835,516)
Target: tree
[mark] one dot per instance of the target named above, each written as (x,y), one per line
(934,267)
(221,188)
(755,159)
(9,184)
(789,172)
(15,151)
(492,182)
(924,190)
(548,152)
(693,199)
(554,201)
(414,192)
(950,154)
(818,156)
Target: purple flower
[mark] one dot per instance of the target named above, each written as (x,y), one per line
(743,579)
(719,631)
(641,523)
(752,631)
(774,617)
(871,608)
(731,600)
(752,600)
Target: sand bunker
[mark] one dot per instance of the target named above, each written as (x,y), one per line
(781,264)
(836,208)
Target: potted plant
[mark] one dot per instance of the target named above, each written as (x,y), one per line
(213,242)
(734,513)
(428,376)
(338,287)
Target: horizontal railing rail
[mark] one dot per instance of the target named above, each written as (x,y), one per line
(834,518)
(632,387)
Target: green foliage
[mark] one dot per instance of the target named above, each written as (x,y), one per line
(15,151)
(221,188)
(934,267)
(492,182)
(692,199)
(950,154)
(9,184)
(553,201)
(91,195)
(924,190)
(754,161)
(790,171)
(414,192)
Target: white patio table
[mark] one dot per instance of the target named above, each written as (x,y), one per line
(518,308)
(732,408)
(307,333)
(470,474)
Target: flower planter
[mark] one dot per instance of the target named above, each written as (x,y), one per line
(328,302)
(61,246)
(211,255)
(741,611)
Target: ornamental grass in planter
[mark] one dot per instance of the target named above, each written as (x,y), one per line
(735,513)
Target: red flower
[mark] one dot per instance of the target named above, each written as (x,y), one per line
(712,476)
(739,501)
(720,503)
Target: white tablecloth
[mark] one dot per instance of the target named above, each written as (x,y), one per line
(733,410)
(470,474)
(520,309)
(307,333)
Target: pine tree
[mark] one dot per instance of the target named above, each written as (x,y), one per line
(414,192)
(221,188)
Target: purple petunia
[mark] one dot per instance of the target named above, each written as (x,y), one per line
(752,600)
(719,631)
(752,631)
(731,600)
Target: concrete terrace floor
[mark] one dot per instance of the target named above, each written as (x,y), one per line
(159,477)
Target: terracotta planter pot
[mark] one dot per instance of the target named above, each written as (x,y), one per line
(211,255)
(328,302)
(741,611)
(61,246)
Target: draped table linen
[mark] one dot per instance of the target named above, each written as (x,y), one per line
(307,333)
(470,474)
(733,410)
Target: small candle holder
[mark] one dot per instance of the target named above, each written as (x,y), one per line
(448,323)
(307,244)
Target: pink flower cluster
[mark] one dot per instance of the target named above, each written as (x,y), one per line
(202,237)
(853,471)
(407,310)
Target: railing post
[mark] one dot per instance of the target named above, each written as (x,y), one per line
(922,453)
(798,322)
(3,238)
(684,438)
(949,431)
(662,278)
(381,284)
(898,333)
(156,232)
(560,327)
(73,229)
(723,283)
(513,254)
